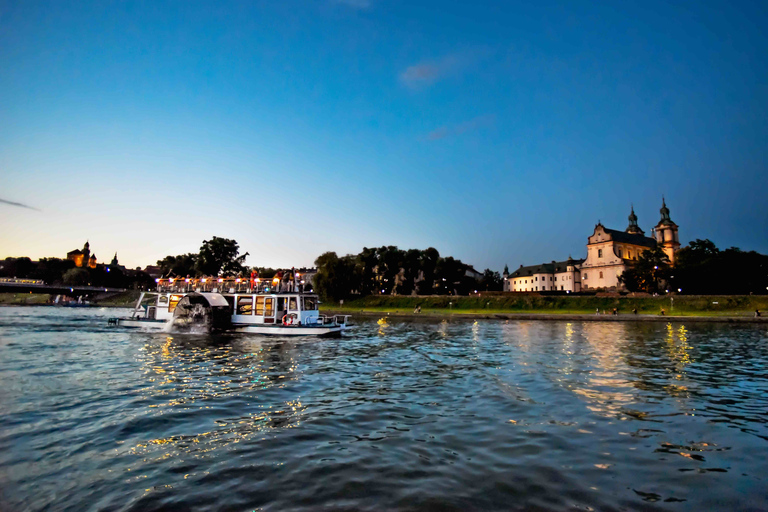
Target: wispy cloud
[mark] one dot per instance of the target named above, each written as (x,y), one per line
(426,73)
(355,4)
(461,128)
(19,205)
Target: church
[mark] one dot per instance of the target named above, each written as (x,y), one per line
(609,253)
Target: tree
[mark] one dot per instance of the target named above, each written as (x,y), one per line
(181,265)
(428,262)
(51,270)
(491,281)
(335,276)
(77,276)
(219,256)
(650,272)
(16,267)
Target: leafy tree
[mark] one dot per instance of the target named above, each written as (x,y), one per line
(77,276)
(410,272)
(17,267)
(428,261)
(650,272)
(220,256)
(181,265)
(335,276)
(51,270)
(702,268)
(491,281)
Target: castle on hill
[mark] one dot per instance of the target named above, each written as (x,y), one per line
(83,258)
(609,253)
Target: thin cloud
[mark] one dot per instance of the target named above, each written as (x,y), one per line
(461,128)
(427,73)
(19,205)
(355,4)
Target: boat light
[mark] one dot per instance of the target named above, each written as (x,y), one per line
(221,280)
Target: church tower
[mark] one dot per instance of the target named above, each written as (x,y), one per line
(85,262)
(665,233)
(633,228)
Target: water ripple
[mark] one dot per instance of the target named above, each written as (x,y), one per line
(446,415)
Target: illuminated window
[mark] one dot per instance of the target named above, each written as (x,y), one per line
(269,307)
(174,300)
(260,305)
(244,305)
(292,305)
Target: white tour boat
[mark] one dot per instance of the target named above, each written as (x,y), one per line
(232,305)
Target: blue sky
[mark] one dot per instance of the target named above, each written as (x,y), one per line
(497,132)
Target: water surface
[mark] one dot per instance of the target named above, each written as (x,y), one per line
(460,415)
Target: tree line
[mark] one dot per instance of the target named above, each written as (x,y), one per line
(388,270)
(58,271)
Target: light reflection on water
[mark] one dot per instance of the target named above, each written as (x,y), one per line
(454,415)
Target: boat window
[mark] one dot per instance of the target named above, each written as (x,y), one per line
(281,304)
(310,304)
(292,304)
(260,305)
(174,300)
(269,307)
(162,300)
(244,305)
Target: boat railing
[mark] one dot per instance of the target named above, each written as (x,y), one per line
(224,285)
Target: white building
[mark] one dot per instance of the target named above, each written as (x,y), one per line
(609,253)
(554,276)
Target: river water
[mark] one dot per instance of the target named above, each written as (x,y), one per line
(420,415)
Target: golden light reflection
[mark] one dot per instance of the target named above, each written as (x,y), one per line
(607,390)
(383,324)
(678,348)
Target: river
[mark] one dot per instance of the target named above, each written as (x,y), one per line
(397,415)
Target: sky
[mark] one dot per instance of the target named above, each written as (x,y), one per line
(497,132)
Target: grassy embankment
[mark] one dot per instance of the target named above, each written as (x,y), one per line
(679,305)
(24,298)
(124,299)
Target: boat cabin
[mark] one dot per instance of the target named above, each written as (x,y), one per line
(245,308)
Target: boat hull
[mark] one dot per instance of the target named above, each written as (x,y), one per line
(269,330)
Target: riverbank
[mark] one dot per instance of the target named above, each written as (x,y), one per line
(589,308)
(557,317)
(110,299)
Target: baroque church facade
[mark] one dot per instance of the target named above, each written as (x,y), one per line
(609,253)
